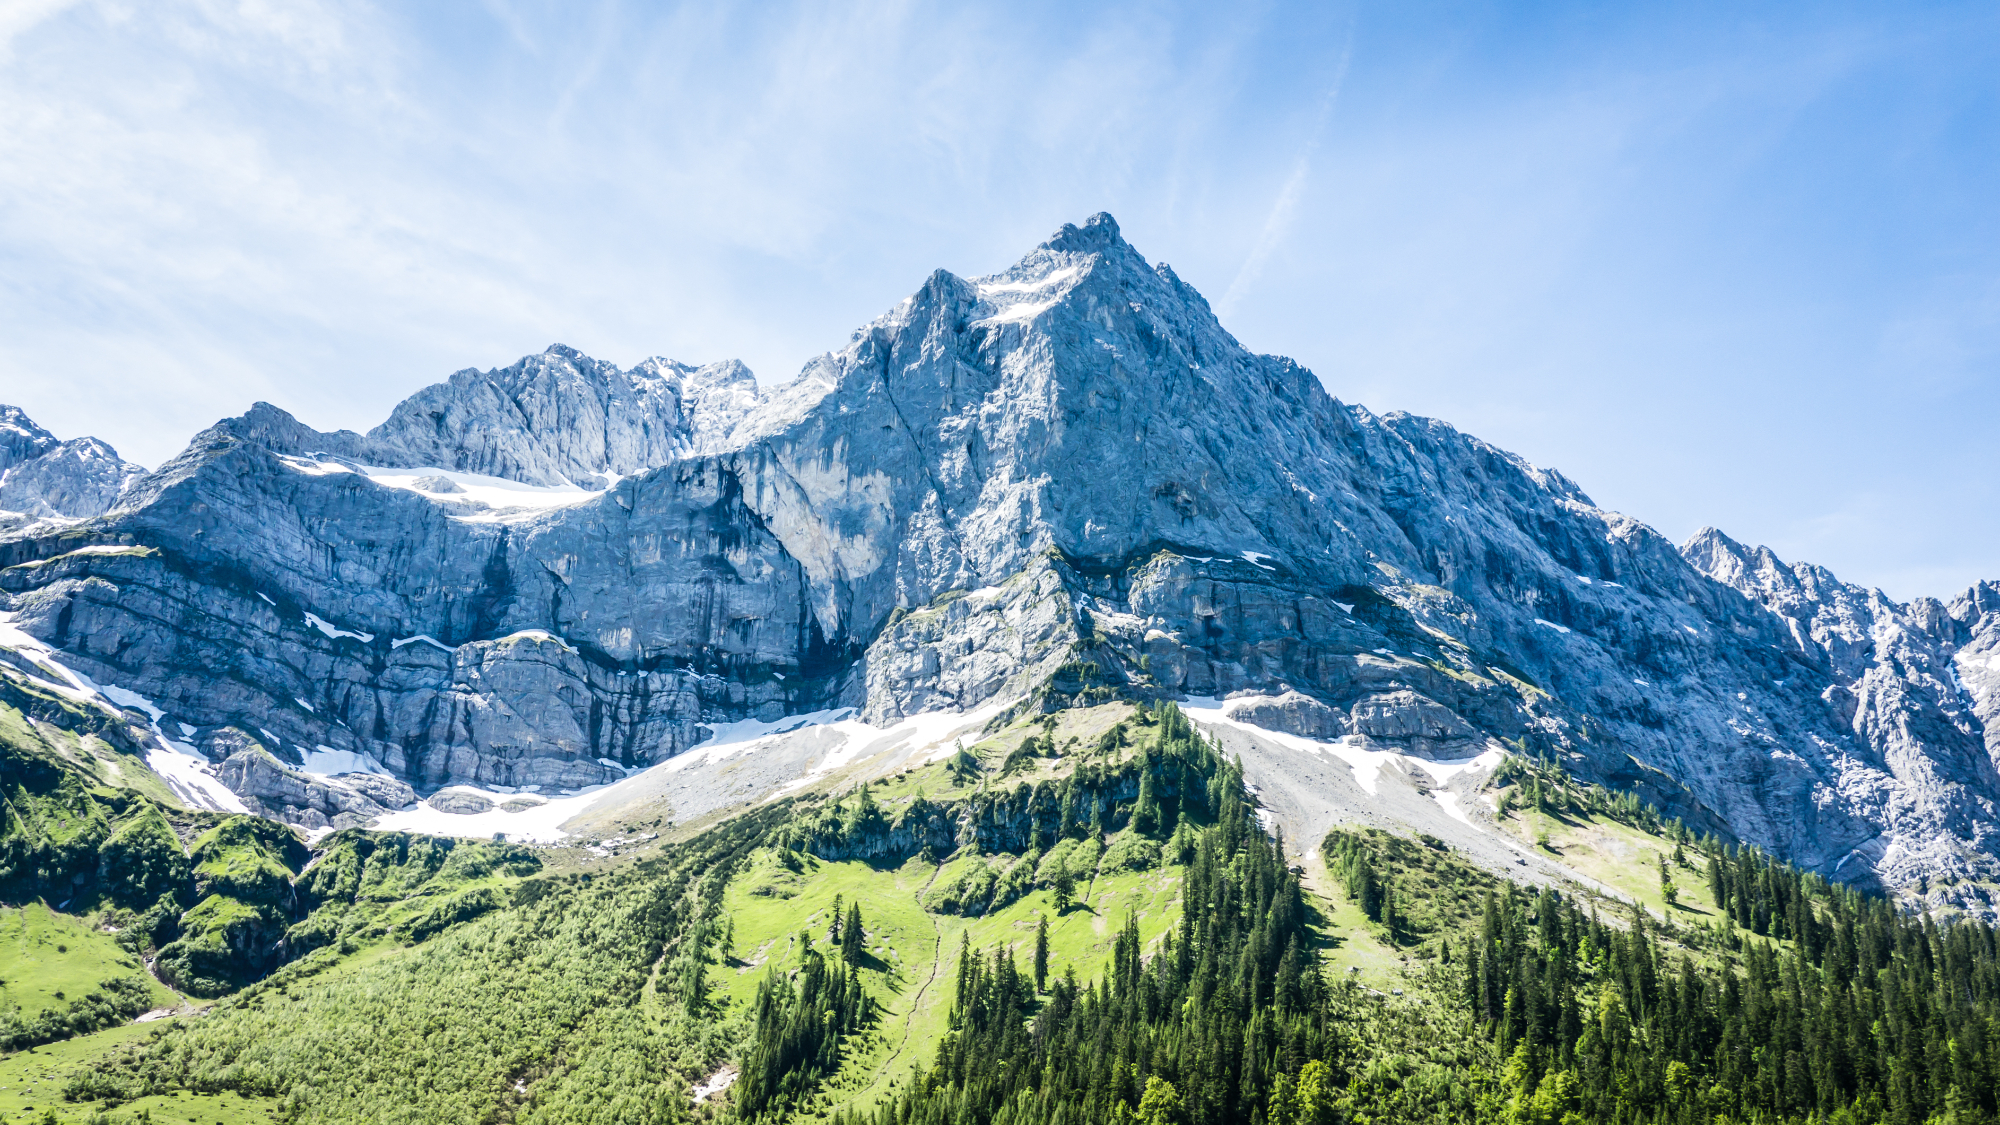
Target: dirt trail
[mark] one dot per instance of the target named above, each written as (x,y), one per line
(916,1001)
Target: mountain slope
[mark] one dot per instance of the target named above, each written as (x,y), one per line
(1063,483)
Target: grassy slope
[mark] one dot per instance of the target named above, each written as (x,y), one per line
(1618,855)
(914,954)
(31,1084)
(43,953)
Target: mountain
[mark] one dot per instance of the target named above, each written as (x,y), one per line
(1062,484)
(43,478)
(559,418)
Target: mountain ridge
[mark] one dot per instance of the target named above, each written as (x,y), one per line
(1075,440)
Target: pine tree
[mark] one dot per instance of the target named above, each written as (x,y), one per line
(853,938)
(1041,953)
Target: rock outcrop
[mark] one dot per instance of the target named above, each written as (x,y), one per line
(1057,484)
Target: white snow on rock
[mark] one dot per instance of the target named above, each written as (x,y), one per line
(474,498)
(325,761)
(320,623)
(185,770)
(187,773)
(540,824)
(192,778)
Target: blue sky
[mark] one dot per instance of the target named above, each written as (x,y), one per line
(1721,263)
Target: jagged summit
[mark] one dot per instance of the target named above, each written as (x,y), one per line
(20,438)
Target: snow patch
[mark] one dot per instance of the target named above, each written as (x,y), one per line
(715,1084)
(191,777)
(1448,801)
(125,698)
(425,638)
(1366,763)
(1553,625)
(930,734)
(186,770)
(492,499)
(334,633)
(1255,558)
(540,824)
(1346,608)
(325,761)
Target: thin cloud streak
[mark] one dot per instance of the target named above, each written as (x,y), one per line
(1279,221)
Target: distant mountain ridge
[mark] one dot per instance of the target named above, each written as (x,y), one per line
(1062,482)
(551,419)
(43,477)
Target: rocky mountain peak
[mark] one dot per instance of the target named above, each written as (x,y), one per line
(1061,482)
(43,477)
(20,438)
(1097,234)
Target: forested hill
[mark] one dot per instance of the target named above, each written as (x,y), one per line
(1547,1013)
(1106,933)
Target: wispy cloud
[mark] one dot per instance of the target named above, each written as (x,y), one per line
(18,16)
(1284,209)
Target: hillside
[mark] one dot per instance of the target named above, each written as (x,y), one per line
(871,950)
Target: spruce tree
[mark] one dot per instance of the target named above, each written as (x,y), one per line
(1041,953)
(1146,809)
(853,938)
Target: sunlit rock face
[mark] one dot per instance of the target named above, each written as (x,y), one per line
(1059,483)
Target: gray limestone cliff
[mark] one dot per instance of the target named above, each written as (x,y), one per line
(1060,483)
